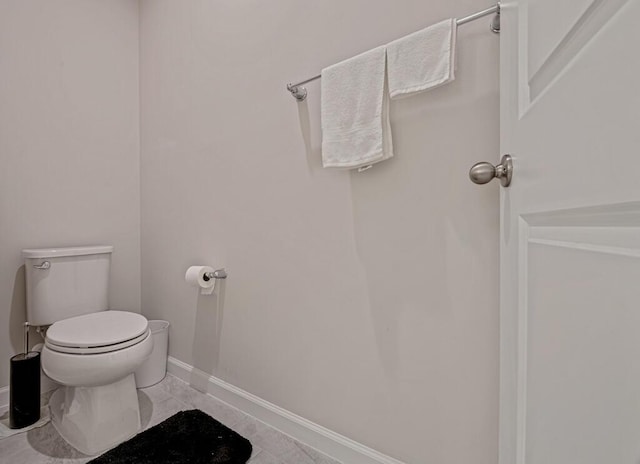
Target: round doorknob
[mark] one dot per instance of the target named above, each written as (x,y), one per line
(482,173)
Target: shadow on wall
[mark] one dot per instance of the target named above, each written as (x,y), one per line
(208,334)
(313,154)
(18,314)
(416,228)
(421,229)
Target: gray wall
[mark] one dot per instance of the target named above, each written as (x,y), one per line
(69,143)
(367,302)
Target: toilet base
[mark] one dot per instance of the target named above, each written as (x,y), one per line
(95,419)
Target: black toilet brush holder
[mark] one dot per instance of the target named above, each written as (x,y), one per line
(24,387)
(24,391)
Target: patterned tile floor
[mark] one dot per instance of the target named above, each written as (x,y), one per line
(157,403)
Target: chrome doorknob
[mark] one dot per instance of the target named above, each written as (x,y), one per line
(482,173)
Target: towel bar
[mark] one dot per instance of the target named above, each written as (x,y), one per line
(300,93)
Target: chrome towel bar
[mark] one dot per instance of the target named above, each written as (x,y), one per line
(300,93)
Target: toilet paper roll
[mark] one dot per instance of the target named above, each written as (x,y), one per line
(195,276)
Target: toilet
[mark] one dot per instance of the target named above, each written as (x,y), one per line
(91,350)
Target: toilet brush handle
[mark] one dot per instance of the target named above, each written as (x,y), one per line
(26,337)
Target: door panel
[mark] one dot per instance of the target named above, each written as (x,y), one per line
(582,369)
(579,335)
(570,234)
(547,23)
(551,47)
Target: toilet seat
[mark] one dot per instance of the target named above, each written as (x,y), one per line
(96,333)
(97,349)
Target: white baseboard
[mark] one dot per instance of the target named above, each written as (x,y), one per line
(324,440)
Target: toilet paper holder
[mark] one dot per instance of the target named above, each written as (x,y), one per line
(217,274)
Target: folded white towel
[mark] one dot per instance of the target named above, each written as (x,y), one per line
(356,131)
(422,60)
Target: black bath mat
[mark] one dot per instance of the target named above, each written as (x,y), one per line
(188,437)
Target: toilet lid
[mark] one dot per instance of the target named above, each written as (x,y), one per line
(94,330)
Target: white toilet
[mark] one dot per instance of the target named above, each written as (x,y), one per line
(91,350)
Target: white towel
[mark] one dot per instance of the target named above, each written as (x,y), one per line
(422,60)
(356,131)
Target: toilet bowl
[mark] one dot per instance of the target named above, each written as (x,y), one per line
(94,357)
(91,350)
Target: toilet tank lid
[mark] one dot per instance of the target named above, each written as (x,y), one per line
(66,251)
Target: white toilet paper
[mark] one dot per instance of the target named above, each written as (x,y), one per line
(195,276)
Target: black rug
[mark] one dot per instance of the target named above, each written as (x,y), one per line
(187,437)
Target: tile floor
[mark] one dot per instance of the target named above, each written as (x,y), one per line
(157,403)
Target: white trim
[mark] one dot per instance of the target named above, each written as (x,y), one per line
(328,442)
(611,250)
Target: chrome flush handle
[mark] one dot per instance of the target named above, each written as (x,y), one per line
(44,265)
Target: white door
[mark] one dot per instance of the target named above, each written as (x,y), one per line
(570,232)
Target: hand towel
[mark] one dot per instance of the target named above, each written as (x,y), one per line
(422,60)
(356,130)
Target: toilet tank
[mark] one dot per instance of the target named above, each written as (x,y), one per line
(74,282)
